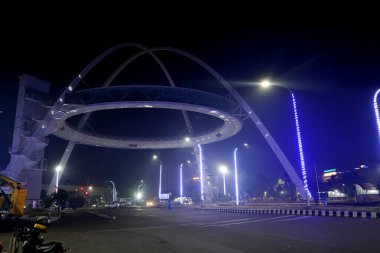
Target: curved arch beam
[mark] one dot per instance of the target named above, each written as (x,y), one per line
(70,146)
(264,131)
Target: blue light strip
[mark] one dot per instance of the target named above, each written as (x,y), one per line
(375,105)
(236,178)
(180,179)
(159,186)
(304,177)
(201,170)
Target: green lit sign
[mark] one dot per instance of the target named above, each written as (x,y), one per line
(331,170)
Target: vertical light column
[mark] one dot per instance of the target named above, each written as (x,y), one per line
(376,107)
(57,169)
(159,185)
(180,179)
(114,195)
(223,169)
(304,176)
(236,178)
(201,170)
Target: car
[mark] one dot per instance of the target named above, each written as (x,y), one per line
(114,205)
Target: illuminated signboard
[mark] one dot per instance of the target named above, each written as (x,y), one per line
(330,170)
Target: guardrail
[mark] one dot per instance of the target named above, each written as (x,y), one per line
(308,212)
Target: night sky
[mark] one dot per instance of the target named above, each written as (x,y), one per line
(333,69)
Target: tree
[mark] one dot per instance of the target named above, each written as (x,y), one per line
(60,197)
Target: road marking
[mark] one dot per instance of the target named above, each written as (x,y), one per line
(132,229)
(245,222)
(297,218)
(221,222)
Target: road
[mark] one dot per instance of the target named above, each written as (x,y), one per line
(192,230)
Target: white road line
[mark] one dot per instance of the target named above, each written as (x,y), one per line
(220,222)
(131,229)
(297,218)
(246,222)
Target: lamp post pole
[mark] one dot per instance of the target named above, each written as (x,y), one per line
(223,170)
(139,195)
(316,178)
(155,157)
(265,84)
(236,174)
(114,197)
(236,178)
(57,169)
(180,180)
(377,115)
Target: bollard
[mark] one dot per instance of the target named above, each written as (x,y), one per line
(373,215)
(364,214)
(331,213)
(355,214)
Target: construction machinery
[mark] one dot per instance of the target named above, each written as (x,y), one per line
(12,196)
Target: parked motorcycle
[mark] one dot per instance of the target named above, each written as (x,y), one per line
(30,241)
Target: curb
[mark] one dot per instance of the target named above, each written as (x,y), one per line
(327,213)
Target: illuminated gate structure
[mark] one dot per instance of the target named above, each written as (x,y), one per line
(35,120)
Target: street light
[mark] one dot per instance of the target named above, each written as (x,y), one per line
(114,197)
(57,169)
(180,178)
(236,174)
(267,83)
(377,111)
(139,194)
(223,169)
(155,157)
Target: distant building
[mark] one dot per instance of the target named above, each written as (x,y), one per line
(366,189)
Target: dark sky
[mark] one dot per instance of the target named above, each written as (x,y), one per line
(333,68)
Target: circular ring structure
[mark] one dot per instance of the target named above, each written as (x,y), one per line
(146,97)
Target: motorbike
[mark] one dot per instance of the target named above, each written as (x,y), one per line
(30,240)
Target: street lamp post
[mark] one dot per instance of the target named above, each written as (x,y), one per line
(139,194)
(114,197)
(377,115)
(181,179)
(265,84)
(316,178)
(236,174)
(155,157)
(57,169)
(223,169)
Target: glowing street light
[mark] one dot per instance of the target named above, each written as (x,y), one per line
(180,179)
(57,169)
(267,83)
(201,171)
(236,174)
(376,107)
(155,157)
(223,169)
(114,194)
(139,194)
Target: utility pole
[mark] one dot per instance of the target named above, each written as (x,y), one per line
(316,178)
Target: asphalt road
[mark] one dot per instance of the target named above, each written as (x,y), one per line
(191,230)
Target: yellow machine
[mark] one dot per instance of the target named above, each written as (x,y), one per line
(14,205)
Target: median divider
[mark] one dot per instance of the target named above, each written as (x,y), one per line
(304,212)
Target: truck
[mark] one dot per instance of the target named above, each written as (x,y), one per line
(12,196)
